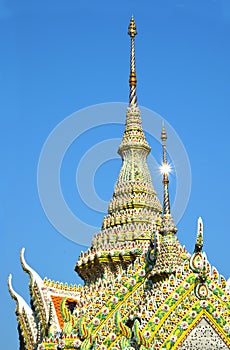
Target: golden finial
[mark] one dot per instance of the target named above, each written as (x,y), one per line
(132,31)
(164,139)
(199,236)
(165,170)
(132,77)
(163,132)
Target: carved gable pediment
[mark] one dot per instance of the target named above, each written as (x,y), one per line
(203,337)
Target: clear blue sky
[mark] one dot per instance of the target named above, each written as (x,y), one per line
(60,56)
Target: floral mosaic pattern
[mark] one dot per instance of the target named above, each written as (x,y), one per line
(203,336)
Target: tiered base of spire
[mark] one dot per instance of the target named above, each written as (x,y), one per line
(132,211)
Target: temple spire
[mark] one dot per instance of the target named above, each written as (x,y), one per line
(134,206)
(132,77)
(167,224)
(165,169)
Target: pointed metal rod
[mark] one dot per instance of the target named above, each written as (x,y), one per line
(165,168)
(132,77)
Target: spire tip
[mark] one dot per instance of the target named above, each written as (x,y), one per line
(132,31)
(163,132)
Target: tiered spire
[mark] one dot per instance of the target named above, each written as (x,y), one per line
(133,136)
(134,205)
(168,255)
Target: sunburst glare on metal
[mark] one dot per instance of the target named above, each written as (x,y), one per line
(165,168)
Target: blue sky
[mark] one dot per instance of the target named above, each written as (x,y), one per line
(58,57)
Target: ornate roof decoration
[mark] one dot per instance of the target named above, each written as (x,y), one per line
(34,277)
(39,299)
(137,311)
(165,252)
(132,31)
(134,206)
(25,317)
(142,289)
(167,223)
